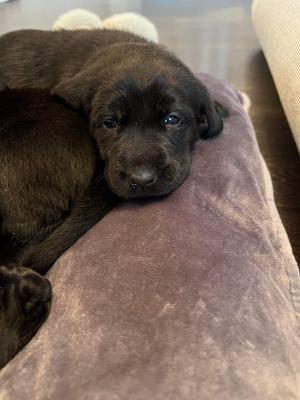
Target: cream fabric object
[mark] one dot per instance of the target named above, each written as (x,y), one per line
(77,19)
(246,102)
(134,23)
(277,24)
(130,22)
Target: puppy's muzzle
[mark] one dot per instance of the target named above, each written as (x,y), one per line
(142,178)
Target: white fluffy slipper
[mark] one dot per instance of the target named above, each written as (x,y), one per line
(77,19)
(134,23)
(130,22)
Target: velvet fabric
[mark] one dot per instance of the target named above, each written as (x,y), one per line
(187,297)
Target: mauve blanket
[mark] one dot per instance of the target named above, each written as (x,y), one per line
(194,296)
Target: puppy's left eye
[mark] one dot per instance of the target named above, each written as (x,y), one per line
(110,123)
(171,119)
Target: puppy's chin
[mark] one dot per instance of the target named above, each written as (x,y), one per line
(162,187)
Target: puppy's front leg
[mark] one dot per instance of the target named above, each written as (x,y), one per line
(88,210)
(25,299)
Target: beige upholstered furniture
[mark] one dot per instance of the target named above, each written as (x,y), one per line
(277,24)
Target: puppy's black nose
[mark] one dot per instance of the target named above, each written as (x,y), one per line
(142,177)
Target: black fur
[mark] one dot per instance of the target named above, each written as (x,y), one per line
(25,299)
(52,190)
(117,75)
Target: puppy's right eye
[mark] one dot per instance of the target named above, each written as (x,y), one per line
(110,123)
(171,119)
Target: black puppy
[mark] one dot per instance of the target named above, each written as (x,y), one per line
(145,108)
(51,191)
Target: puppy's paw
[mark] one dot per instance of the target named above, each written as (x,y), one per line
(25,300)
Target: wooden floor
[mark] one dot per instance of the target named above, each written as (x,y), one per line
(214,36)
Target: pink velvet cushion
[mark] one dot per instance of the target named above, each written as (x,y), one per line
(184,298)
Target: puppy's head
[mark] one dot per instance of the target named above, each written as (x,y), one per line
(146,111)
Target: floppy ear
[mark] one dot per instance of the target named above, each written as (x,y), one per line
(210,114)
(211,120)
(77,91)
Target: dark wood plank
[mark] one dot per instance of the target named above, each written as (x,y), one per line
(214,36)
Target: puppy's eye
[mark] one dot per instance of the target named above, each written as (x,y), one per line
(171,119)
(110,123)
